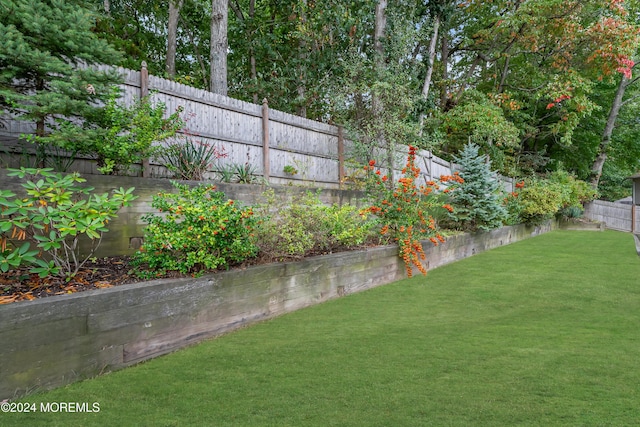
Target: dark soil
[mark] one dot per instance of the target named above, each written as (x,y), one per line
(19,284)
(101,273)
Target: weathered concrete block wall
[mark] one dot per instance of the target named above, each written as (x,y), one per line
(126,231)
(50,342)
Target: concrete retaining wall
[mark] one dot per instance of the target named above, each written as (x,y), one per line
(58,340)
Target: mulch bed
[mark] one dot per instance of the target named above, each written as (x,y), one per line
(20,285)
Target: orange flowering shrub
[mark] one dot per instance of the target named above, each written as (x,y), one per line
(405,210)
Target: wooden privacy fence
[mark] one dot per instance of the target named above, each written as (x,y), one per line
(256,135)
(617,216)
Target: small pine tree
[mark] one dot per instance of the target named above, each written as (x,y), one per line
(477,201)
(46,48)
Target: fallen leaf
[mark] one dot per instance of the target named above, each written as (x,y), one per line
(102,285)
(6,299)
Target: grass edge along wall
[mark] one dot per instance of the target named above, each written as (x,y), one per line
(54,341)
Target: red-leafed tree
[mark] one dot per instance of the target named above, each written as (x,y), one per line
(539,61)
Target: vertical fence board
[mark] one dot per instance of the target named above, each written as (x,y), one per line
(321,152)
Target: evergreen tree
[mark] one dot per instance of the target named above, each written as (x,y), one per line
(477,201)
(47,48)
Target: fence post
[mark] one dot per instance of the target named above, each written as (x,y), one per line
(144,91)
(340,156)
(265,140)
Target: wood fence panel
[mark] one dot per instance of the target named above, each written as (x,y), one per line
(237,127)
(616,216)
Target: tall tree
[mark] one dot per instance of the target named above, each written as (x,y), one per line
(47,49)
(172,33)
(614,111)
(625,68)
(246,22)
(376,100)
(219,46)
(539,61)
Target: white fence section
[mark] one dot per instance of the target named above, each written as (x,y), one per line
(266,139)
(617,216)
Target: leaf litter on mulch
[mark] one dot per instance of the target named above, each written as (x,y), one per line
(99,273)
(20,285)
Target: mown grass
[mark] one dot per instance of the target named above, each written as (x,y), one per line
(542,332)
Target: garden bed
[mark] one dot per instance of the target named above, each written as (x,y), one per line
(53,341)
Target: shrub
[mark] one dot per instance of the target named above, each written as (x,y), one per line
(476,200)
(405,210)
(242,173)
(513,206)
(542,199)
(245,173)
(614,183)
(119,136)
(190,159)
(197,229)
(571,212)
(306,226)
(575,192)
(51,217)
(290,170)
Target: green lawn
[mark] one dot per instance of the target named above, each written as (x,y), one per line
(542,332)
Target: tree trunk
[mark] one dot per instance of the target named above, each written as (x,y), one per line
(432,58)
(598,164)
(302,58)
(380,26)
(503,78)
(376,102)
(172,31)
(219,45)
(252,53)
(444,91)
(254,73)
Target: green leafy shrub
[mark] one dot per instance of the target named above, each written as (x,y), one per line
(127,133)
(306,226)
(541,199)
(479,117)
(118,136)
(512,205)
(614,183)
(575,192)
(50,220)
(290,170)
(198,228)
